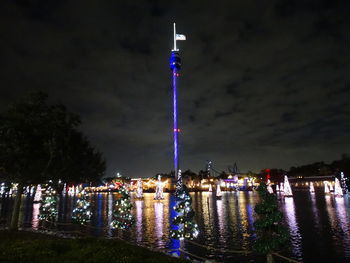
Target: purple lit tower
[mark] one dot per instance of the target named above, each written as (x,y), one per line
(175,66)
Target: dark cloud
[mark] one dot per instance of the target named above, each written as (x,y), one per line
(264,83)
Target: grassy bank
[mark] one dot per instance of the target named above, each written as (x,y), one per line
(35,247)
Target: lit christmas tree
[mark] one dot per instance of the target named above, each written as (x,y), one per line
(326,188)
(82,212)
(218,193)
(185,215)
(2,188)
(71,190)
(32,189)
(64,190)
(271,234)
(338,191)
(48,210)
(312,188)
(139,189)
(344,183)
(287,189)
(37,196)
(330,187)
(122,218)
(13,188)
(269,187)
(159,189)
(76,190)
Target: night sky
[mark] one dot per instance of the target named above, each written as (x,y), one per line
(263,83)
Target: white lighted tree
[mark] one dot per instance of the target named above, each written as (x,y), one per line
(344,183)
(338,191)
(269,187)
(326,188)
(139,189)
(312,188)
(218,193)
(159,189)
(287,189)
(37,196)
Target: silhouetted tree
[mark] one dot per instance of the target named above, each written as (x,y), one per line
(40,142)
(188,173)
(203,174)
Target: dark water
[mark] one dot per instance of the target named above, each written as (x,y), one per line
(319,225)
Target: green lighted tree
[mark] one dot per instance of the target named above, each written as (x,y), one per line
(271,234)
(48,209)
(122,218)
(82,212)
(187,227)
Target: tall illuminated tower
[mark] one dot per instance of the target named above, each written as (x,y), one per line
(175,66)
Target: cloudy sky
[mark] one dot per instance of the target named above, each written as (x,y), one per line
(264,83)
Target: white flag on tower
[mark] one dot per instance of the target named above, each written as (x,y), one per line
(180,37)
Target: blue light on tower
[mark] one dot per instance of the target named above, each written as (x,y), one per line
(175,66)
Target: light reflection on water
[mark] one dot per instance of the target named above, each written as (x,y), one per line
(35,219)
(343,216)
(158,226)
(319,225)
(110,213)
(289,211)
(314,209)
(220,212)
(138,220)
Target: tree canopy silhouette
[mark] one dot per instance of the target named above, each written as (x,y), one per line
(41,142)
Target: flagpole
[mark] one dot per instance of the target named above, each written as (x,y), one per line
(174,37)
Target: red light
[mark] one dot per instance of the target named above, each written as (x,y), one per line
(268,176)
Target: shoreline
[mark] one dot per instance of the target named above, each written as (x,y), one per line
(50,246)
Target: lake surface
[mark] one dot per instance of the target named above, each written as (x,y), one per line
(319,224)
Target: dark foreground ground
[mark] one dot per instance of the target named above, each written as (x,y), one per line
(32,247)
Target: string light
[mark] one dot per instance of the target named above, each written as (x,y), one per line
(82,212)
(159,190)
(139,189)
(185,219)
(122,218)
(48,210)
(344,183)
